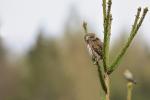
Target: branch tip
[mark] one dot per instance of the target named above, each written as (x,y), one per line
(85,26)
(139,9)
(145,9)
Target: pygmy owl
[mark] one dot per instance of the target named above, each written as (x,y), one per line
(94,46)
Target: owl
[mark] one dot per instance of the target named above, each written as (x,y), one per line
(94,46)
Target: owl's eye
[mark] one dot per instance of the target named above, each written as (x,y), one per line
(87,37)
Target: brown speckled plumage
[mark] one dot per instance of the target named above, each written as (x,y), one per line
(94,46)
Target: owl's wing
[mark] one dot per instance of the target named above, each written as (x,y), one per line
(97,45)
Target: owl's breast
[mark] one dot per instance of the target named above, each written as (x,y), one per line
(90,50)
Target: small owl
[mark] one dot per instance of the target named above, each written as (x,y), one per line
(94,46)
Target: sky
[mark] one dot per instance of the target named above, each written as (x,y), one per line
(21,19)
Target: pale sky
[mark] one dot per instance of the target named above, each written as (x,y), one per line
(20,19)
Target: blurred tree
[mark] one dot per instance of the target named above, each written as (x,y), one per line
(2,52)
(8,75)
(47,77)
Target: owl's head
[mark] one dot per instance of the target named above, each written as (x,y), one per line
(89,36)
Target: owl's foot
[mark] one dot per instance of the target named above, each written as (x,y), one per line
(94,61)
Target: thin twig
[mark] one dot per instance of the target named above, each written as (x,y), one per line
(104,10)
(141,20)
(105,35)
(129,90)
(108,42)
(107,32)
(85,27)
(107,82)
(101,77)
(136,20)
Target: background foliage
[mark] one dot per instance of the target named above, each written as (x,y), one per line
(60,68)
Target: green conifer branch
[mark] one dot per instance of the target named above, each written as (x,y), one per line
(101,77)
(107,29)
(134,31)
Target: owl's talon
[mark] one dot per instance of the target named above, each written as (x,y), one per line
(94,63)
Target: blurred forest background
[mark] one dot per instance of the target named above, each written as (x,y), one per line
(60,68)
